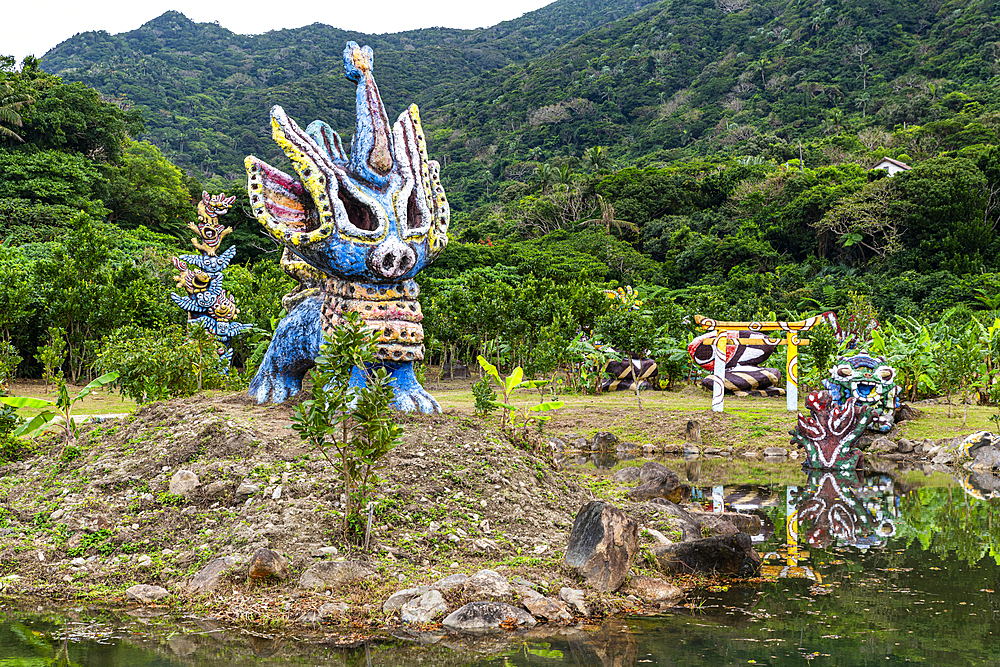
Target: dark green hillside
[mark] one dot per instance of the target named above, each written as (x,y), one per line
(205,91)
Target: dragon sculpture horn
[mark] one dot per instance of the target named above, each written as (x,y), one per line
(371,147)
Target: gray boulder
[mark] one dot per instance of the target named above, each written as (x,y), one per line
(602,545)
(575,598)
(487,584)
(484,616)
(208,577)
(145,593)
(424,609)
(399,598)
(450,582)
(183,483)
(329,574)
(546,608)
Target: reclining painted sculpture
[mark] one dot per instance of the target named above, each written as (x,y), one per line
(356,231)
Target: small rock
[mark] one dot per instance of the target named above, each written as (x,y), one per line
(328,574)
(399,598)
(266,563)
(602,545)
(424,609)
(144,561)
(450,582)
(650,450)
(882,445)
(145,593)
(574,597)
(58,514)
(209,576)
(627,475)
(325,551)
(604,442)
(78,562)
(485,545)
(183,483)
(245,490)
(540,606)
(943,458)
(654,590)
(216,489)
(904,446)
(482,616)
(487,584)
(276,493)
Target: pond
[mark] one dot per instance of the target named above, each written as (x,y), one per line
(882,569)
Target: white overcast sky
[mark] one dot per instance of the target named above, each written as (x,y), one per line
(32,27)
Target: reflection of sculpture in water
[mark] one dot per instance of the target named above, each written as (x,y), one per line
(837,506)
(834,506)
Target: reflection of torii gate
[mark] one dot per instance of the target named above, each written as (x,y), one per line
(794,567)
(792,341)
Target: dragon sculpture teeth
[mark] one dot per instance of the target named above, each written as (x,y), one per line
(870,381)
(357,229)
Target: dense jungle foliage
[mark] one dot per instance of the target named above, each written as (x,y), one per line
(716,154)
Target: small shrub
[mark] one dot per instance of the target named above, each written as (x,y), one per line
(154,365)
(486,397)
(168,499)
(52,355)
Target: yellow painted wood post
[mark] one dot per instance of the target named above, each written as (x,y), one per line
(792,373)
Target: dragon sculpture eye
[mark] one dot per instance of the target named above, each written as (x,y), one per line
(845,371)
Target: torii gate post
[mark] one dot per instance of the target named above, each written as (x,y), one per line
(792,343)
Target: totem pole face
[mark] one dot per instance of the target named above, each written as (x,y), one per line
(376,218)
(829,435)
(870,382)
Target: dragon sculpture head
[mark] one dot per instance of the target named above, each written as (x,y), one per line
(377,217)
(870,381)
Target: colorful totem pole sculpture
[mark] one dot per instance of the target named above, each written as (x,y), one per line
(869,381)
(357,229)
(200,276)
(830,433)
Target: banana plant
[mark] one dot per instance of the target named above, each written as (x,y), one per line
(507,385)
(57,414)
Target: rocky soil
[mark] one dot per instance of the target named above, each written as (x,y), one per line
(175,504)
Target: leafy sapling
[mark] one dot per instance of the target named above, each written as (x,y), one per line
(348,419)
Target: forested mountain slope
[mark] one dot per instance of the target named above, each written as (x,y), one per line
(205,91)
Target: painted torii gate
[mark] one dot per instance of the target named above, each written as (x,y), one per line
(792,341)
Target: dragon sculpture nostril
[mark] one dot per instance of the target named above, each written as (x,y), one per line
(357,229)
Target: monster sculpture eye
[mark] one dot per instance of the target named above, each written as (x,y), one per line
(845,371)
(359,214)
(886,373)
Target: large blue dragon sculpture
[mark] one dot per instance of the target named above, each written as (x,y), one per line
(356,230)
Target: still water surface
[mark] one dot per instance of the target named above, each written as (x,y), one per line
(873,570)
